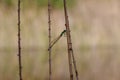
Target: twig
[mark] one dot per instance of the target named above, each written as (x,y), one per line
(49,27)
(74,63)
(69,42)
(19,42)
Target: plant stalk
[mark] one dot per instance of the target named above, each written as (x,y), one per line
(49,29)
(68,40)
(69,44)
(19,41)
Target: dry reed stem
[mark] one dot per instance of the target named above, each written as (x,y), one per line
(19,42)
(49,29)
(69,43)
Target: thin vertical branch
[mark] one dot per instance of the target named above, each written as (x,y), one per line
(75,67)
(69,42)
(19,42)
(49,29)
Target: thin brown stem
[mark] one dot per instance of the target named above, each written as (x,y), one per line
(19,42)
(69,43)
(74,63)
(49,29)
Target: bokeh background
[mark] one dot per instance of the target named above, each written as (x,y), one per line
(95,30)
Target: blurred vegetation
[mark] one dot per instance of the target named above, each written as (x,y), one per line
(95,29)
(38,3)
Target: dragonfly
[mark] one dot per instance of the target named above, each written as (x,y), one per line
(56,40)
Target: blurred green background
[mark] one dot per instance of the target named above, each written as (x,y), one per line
(37,3)
(95,30)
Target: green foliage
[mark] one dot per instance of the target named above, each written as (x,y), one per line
(39,3)
(55,3)
(8,3)
(70,3)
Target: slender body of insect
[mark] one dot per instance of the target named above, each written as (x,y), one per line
(55,41)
